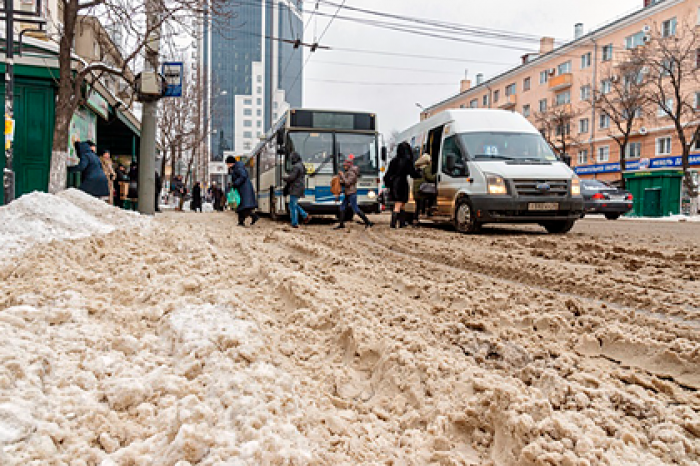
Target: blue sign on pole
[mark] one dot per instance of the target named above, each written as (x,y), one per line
(173,71)
(637,165)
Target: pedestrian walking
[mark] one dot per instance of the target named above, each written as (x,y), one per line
(133,195)
(348,180)
(92,178)
(296,183)
(196,204)
(108,169)
(241,181)
(424,189)
(218,196)
(159,188)
(396,179)
(121,186)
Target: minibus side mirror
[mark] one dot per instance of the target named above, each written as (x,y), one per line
(450,161)
(384,154)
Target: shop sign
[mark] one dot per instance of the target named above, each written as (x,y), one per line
(637,165)
(83,127)
(98,103)
(172,71)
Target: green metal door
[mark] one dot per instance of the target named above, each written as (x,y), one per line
(652,202)
(34,120)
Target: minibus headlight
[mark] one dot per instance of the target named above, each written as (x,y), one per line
(575,187)
(496,185)
(371,195)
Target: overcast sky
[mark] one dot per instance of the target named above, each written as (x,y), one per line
(395,104)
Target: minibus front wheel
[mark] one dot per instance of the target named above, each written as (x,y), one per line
(465,217)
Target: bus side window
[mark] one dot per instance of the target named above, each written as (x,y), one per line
(454,164)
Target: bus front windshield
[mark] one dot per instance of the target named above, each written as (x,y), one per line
(363,147)
(315,149)
(507,146)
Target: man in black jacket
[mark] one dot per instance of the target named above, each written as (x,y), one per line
(296,181)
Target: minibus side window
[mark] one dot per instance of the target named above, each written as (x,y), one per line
(454,164)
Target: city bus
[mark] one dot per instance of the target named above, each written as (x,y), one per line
(323,139)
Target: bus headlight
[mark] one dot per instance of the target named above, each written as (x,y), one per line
(575,187)
(496,185)
(372,195)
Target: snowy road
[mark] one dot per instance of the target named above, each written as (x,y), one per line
(199,342)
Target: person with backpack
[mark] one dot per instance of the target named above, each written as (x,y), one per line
(424,189)
(396,179)
(348,180)
(296,184)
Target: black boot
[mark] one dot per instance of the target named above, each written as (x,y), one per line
(394,217)
(256,217)
(340,226)
(402,219)
(362,215)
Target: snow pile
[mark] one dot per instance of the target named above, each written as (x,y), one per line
(670,218)
(72,214)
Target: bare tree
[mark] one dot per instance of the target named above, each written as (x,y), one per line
(174,17)
(672,61)
(622,97)
(555,125)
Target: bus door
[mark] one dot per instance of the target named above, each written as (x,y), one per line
(318,157)
(452,176)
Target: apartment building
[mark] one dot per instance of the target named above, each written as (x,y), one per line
(567,78)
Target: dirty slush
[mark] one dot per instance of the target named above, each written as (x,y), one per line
(185,340)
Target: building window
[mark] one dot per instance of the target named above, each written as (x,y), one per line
(248,102)
(604,121)
(584,125)
(663,146)
(664,110)
(247,111)
(511,89)
(462,106)
(563,98)
(247,146)
(582,157)
(248,123)
(544,77)
(258,90)
(668,27)
(635,40)
(563,129)
(474,103)
(697,101)
(275,105)
(605,86)
(633,150)
(258,101)
(259,124)
(258,112)
(485,100)
(604,154)
(247,134)
(697,59)
(543,105)
(586,60)
(259,78)
(607,52)
(586,92)
(496,95)
(526,111)
(526,84)
(564,68)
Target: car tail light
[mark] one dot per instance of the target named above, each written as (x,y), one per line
(629,197)
(598,196)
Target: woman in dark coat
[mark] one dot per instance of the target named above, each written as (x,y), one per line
(133,182)
(241,181)
(396,179)
(92,178)
(196,203)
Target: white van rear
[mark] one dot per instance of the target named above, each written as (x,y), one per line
(493,166)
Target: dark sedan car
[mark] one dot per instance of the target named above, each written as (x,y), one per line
(601,198)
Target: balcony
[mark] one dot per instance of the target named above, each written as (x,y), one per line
(508,103)
(560,82)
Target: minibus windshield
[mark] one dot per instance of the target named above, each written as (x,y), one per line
(507,146)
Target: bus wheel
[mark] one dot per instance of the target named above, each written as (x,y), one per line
(465,220)
(273,204)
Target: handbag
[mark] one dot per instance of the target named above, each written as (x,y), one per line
(427,188)
(233,198)
(336,189)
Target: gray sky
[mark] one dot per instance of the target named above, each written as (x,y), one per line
(395,104)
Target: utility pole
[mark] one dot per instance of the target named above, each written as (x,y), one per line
(9,175)
(147,165)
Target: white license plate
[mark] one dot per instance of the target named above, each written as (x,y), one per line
(617,198)
(543,206)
